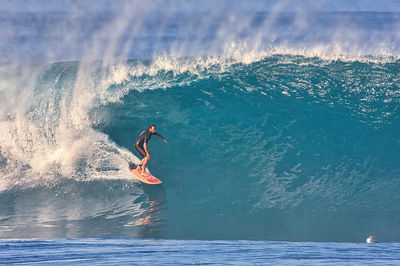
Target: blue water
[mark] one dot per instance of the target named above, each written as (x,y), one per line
(282,125)
(184,252)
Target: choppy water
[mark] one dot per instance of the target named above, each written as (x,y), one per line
(185,252)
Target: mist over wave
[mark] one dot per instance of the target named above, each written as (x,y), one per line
(120,30)
(280,125)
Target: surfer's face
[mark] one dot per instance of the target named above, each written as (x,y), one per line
(152,129)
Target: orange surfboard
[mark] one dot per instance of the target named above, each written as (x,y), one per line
(148,179)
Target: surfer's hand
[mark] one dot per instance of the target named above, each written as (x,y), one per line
(165,140)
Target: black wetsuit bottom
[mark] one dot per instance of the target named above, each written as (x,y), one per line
(140,149)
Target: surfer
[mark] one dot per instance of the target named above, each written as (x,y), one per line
(141,147)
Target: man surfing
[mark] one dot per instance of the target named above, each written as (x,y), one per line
(141,147)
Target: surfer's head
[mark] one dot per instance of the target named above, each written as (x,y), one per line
(152,128)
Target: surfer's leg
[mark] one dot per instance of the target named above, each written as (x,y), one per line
(141,151)
(140,166)
(144,164)
(145,160)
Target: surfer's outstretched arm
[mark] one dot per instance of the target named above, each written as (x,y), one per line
(158,135)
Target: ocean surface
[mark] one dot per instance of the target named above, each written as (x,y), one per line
(194,252)
(282,128)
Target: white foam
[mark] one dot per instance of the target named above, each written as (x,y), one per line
(46,132)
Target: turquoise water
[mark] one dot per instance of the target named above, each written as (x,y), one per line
(285,148)
(281,126)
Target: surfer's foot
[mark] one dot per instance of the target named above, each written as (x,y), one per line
(143,173)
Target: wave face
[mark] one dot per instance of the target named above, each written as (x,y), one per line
(280,125)
(285,148)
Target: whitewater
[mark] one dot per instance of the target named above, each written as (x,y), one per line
(282,126)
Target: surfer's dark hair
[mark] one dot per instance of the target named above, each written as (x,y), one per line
(152,125)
